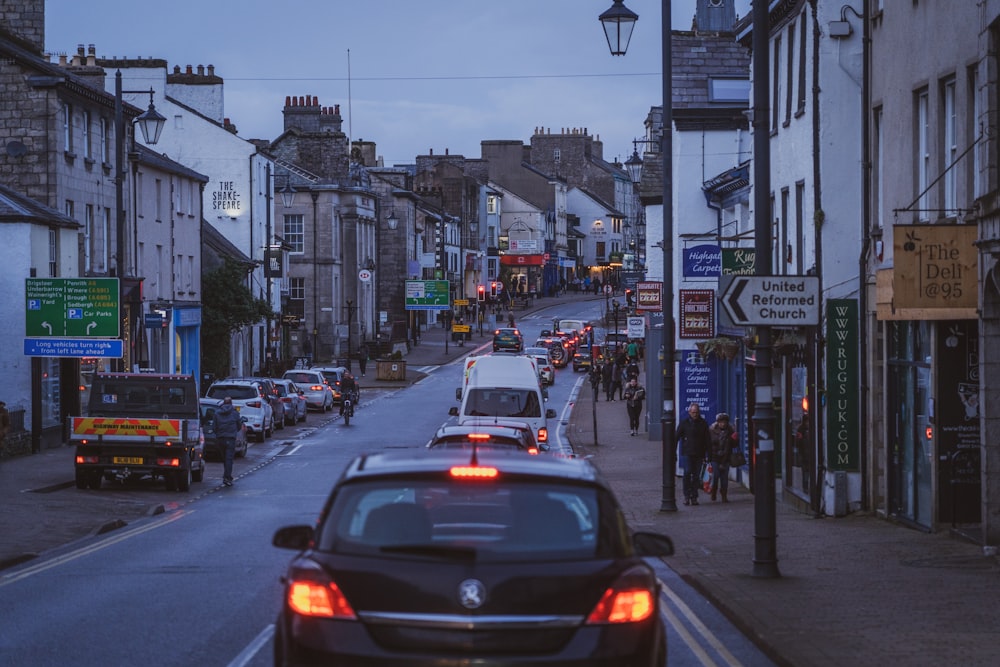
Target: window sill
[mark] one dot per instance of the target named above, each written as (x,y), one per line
(70,156)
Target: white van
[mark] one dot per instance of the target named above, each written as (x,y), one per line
(504,387)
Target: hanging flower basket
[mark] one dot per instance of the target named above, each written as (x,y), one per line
(720,347)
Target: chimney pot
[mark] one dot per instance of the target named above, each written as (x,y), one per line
(288,100)
(189,70)
(177,69)
(211,70)
(201,70)
(315,102)
(336,109)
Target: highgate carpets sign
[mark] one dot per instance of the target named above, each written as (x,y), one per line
(842,380)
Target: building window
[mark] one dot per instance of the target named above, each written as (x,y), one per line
(105,140)
(802,66)
(800,227)
(294,232)
(789,68)
(89,238)
(87,147)
(923,156)
(729,90)
(950,184)
(786,246)
(877,167)
(101,242)
(491,204)
(67,119)
(776,85)
(556,155)
(53,253)
(616,225)
(158,199)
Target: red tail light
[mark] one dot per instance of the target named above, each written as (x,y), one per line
(543,435)
(317,387)
(474,472)
(631,599)
(253,404)
(318,596)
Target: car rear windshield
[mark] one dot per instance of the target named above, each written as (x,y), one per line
(495,520)
(503,403)
(140,396)
(237,392)
(301,378)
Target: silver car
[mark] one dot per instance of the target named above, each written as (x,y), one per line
(314,386)
(546,369)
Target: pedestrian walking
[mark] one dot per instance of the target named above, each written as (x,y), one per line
(635,394)
(632,351)
(607,376)
(227,425)
(693,441)
(595,380)
(722,438)
(631,370)
(618,382)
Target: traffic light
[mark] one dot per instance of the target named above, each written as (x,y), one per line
(493,289)
(481,293)
(629,298)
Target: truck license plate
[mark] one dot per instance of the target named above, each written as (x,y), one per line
(128,460)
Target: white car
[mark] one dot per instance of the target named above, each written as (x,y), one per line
(249,401)
(314,385)
(546,369)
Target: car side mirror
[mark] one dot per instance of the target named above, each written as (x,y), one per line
(550,413)
(652,544)
(293,537)
(453,411)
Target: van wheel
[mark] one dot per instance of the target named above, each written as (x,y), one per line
(199,474)
(183,478)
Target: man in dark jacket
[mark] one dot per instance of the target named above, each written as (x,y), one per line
(227,425)
(693,442)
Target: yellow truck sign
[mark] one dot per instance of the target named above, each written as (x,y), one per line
(99,426)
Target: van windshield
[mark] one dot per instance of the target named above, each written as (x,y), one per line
(503,403)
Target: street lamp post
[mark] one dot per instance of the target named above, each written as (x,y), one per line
(618,22)
(270,267)
(150,124)
(392,222)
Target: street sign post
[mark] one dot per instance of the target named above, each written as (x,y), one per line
(772,300)
(71,308)
(428,295)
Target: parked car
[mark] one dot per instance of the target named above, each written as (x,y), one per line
(457,533)
(293,399)
(271,394)
(250,401)
(507,338)
(208,406)
(333,375)
(317,390)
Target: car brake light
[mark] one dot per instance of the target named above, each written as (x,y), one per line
(533,451)
(479,436)
(474,472)
(87,459)
(313,598)
(543,435)
(632,598)
(253,404)
(168,463)
(316,387)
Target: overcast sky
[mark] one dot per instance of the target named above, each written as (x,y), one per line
(410,75)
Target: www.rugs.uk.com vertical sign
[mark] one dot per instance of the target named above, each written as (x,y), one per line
(842,382)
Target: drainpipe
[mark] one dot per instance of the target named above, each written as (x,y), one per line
(815,496)
(866,221)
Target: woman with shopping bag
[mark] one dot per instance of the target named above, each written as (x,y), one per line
(723,440)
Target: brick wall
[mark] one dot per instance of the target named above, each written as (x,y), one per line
(25,19)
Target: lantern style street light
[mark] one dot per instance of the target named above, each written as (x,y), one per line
(618,22)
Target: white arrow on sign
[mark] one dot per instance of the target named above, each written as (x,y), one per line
(774,300)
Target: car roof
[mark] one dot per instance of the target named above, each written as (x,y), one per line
(509,462)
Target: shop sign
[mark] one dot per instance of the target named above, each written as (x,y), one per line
(935,267)
(697,313)
(739,261)
(843,379)
(702,261)
(649,296)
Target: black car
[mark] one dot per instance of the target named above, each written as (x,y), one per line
(208,406)
(447,557)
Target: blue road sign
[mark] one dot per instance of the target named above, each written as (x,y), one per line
(73,347)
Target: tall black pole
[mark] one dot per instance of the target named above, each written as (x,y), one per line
(765,557)
(120,200)
(668,503)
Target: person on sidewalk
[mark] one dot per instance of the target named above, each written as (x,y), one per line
(723,439)
(363,359)
(607,375)
(227,425)
(632,351)
(618,380)
(693,440)
(635,394)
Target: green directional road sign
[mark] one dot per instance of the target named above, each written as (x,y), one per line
(427,295)
(71,307)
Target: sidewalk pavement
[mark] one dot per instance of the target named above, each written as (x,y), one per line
(856,591)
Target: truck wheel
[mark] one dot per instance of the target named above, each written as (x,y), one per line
(183,478)
(95,479)
(81,479)
(199,474)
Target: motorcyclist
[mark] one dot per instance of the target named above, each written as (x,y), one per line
(348,389)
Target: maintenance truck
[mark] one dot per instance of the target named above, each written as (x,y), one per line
(139,425)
